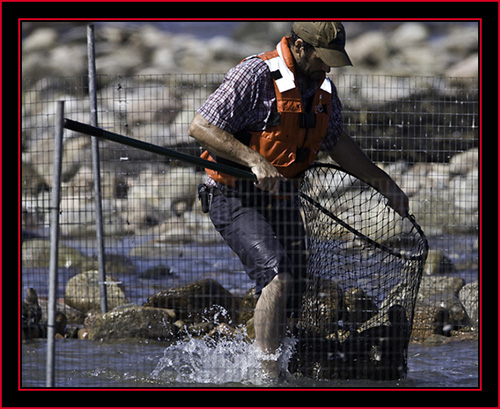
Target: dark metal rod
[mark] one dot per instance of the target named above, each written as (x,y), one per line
(54,245)
(145,146)
(96,170)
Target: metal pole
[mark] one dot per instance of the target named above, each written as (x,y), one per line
(96,169)
(54,244)
(159,150)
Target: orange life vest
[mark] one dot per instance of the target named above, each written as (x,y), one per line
(293,144)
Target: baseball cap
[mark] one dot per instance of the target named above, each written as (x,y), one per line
(327,38)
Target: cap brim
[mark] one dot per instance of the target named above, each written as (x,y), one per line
(333,58)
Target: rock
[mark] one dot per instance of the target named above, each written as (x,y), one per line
(40,39)
(133,322)
(36,254)
(468,68)
(72,315)
(323,307)
(83,292)
(437,263)
(435,339)
(250,328)
(83,333)
(156,272)
(429,320)
(466,191)
(359,305)
(370,49)
(154,198)
(408,35)
(469,296)
(248,304)
(61,322)
(439,287)
(32,182)
(78,218)
(198,301)
(31,314)
(227,332)
(464,162)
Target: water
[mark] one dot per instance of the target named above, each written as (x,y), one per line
(227,364)
(193,362)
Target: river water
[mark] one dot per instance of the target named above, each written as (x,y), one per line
(193,363)
(231,364)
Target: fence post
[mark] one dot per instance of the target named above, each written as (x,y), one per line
(96,169)
(54,244)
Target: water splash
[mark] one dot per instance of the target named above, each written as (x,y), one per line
(218,362)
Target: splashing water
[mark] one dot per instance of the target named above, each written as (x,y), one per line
(218,362)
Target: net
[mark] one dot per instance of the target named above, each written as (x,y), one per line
(364,270)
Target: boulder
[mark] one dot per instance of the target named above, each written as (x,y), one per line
(464,162)
(429,320)
(199,301)
(439,287)
(83,292)
(132,322)
(36,254)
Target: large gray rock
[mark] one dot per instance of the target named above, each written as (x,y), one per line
(83,292)
(132,322)
(198,301)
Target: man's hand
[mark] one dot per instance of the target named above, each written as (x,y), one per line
(225,145)
(268,177)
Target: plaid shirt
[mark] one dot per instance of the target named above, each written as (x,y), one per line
(246,99)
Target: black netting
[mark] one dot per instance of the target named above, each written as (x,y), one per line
(364,270)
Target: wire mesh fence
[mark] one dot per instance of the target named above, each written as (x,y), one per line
(170,276)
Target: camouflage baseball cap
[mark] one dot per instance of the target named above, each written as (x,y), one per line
(327,38)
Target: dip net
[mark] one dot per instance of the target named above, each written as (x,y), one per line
(364,270)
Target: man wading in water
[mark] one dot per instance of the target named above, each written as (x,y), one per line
(272,115)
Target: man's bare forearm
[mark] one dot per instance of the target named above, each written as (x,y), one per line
(225,145)
(351,157)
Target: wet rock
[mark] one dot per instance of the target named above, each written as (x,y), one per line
(227,332)
(248,303)
(132,322)
(156,272)
(429,320)
(83,292)
(323,307)
(31,314)
(469,297)
(203,300)
(72,315)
